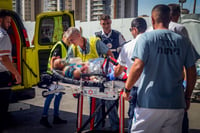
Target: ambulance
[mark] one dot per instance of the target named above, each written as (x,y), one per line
(31,60)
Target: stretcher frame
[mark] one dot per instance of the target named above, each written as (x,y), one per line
(80,126)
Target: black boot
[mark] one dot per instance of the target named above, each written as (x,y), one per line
(58,120)
(44,121)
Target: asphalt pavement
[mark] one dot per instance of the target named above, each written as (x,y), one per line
(27,120)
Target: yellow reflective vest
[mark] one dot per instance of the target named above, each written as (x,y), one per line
(64,49)
(92,53)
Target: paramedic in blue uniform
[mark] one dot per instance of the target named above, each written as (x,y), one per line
(160,56)
(114,41)
(112,38)
(138,26)
(6,67)
(59,50)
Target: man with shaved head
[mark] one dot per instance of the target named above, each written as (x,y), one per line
(159,57)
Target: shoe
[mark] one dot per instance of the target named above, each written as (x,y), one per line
(44,121)
(58,120)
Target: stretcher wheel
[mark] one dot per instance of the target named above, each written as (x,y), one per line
(43,93)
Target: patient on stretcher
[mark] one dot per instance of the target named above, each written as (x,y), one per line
(97,66)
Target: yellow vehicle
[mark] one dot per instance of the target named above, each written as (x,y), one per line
(31,61)
(49,28)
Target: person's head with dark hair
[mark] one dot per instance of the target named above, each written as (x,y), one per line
(105,23)
(138,25)
(175,12)
(160,16)
(104,17)
(4,13)
(5,19)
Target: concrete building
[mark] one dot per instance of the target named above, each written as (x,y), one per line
(79,7)
(84,10)
(90,10)
(53,5)
(17,7)
(27,9)
(126,9)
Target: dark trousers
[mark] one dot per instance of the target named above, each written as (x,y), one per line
(185,125)
(132,105)
(5,93)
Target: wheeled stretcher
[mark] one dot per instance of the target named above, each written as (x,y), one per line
(102,89)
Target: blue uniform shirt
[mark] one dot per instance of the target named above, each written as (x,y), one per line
(164,54)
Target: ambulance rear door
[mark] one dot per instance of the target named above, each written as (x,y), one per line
(49,28)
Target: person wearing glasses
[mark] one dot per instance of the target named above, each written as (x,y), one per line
(138,26)
(114,40)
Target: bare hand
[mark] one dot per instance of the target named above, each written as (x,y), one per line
(18,78)
(126,96)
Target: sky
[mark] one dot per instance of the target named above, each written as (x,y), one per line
(145,6)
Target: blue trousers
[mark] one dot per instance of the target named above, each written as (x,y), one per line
(56,104)
(132,105)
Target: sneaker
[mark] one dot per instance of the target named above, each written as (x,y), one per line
(58,120)
(44,121)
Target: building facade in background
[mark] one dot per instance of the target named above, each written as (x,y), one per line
(27,9)
(84,10)
(90,10)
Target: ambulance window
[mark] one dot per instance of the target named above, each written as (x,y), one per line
(52,28)
(46,31)
(66,22)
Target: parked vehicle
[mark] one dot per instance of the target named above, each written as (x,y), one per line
(31,61)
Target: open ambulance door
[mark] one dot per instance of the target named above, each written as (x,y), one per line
(49,28)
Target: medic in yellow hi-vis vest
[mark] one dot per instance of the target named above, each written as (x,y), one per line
(63,54)
(85,48)
(59,50)
(92,52)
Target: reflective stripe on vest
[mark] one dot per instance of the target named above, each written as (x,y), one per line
(58,29)
(63,51)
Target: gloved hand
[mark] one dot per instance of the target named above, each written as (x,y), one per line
(184,84)
(111,76)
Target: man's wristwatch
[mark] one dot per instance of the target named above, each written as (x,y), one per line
(126,90)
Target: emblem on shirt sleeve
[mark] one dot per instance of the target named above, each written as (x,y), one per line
(109,45)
